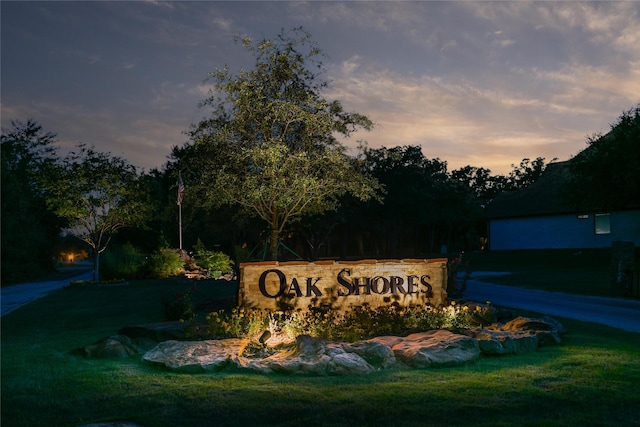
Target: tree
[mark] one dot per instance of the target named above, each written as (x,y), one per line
(606,175)
(29,229)
(423,208)
(270,145)
(484,186)
(410,182)
(98,194)
(526,173)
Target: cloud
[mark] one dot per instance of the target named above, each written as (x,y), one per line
(479,83)
(144,141)
(465,122)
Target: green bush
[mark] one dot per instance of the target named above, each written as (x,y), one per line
(164,263)
(213,261)
(124,261)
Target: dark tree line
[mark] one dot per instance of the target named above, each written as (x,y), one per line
(29,229)
(86,194)
(422,205)
(266,177)
(422,208)
(606,175)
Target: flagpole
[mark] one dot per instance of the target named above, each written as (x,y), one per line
(180,223)
(180,191)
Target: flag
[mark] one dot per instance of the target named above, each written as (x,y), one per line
(180,189)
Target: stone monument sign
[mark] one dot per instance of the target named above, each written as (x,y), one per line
(341,285)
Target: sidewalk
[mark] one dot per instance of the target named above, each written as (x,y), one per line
(14,297)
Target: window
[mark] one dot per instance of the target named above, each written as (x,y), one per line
(603,223)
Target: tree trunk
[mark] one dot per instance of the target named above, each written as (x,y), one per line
(96,266)
(273,244)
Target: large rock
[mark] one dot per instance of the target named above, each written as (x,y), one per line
(311,356)
(113,347)
(519,335)
(504,342)
(375,352)
(546,329)
(437,348)
(196,356)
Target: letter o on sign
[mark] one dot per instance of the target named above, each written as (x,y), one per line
(263,287)
(375,285)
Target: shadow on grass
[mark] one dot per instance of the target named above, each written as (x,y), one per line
(589,380)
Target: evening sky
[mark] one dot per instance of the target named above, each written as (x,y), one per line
(474,83)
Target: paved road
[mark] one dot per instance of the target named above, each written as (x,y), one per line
(13,297)
(616,312)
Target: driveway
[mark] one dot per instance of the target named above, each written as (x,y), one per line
(13,297)
(616,312)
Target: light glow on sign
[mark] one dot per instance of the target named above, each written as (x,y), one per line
(341,285)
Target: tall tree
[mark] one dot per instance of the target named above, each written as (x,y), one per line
(29,229)
(484,186)
(98,194)
(606,175)
(526,173)
(410,181)
(270,145)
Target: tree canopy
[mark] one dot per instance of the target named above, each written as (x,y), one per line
(270,145)
(606,175)
(29,229)
(98,194)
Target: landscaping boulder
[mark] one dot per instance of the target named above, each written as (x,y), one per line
(113,347)
(196,356)
(375,352)
(311,356)
(546,329)
(437,348)
(519,335)
(504,342)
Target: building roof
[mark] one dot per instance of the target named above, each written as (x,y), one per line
(543,197)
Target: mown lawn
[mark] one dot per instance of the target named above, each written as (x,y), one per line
(592,379)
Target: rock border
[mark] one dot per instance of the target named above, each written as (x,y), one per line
(163,345)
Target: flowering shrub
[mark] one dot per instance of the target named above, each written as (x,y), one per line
(352,325)
(458,272)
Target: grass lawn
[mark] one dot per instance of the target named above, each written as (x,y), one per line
(592,379)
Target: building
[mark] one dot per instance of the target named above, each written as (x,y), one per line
(538,217)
